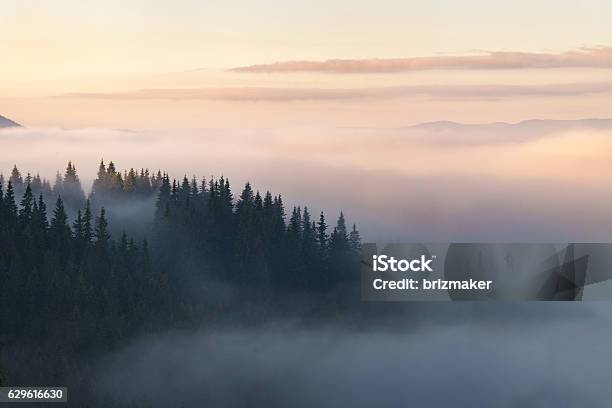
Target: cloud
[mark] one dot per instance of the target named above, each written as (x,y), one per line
(256,94)
(592,57)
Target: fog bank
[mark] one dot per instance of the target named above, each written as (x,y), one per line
(479,183)
(526,355)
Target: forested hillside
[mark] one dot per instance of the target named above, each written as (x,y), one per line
(72,289)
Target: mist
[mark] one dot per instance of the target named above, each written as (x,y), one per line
(460,354)
(451,183)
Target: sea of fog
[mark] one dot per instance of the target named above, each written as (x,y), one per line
(413,184)
(444,355)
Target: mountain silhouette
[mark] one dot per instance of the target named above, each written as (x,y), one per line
(500,132)
(6,122)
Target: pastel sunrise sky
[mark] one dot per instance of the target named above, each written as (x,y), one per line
(316,99)
(251,64)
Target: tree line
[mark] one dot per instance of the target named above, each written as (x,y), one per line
(248,241)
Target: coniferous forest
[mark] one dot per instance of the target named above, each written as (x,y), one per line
(142,253)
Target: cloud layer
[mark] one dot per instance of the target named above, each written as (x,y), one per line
(536,181)
(516,355)
(271,94)
(593,57)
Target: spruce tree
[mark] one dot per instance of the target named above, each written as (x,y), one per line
(58,185)
(72,192)
(78,227)
(60,237)
(184,192)
(42,214)
(340,242)
(130,182)
(245,203)
(322,237)
(87,224)
(59,223)
(163,198)
(102,234)
(27,205)
(70,176)
(194,187)
(37,184)
(295,222)
(9,202)
(355,239)
(16,178)
(100,184)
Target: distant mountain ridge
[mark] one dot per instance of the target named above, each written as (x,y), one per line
(6,122)
(500,132)
(532,123)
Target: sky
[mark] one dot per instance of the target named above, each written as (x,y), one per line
(311,99)
(314,99)
(257,64)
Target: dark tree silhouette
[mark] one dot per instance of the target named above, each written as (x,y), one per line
(74,286)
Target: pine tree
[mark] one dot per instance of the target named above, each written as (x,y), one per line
(248,254)
(295,222)
(100,184)
(59,219)
(16,178)
(355,239)
(279,214)
(340,241)
(258,204)
(42,214)
(203,188)
(102,234)
(70,176)
(58,185)
(111,171)
(27,205)
(59,223)
(194,187)
(78,227)
(37,184)
(60,236)
(184,192)
(306,222)
(245,203)
(174,192)
(322,237)
(9,201)
(163,198)
(130,182)
(87,224)
(71,190)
